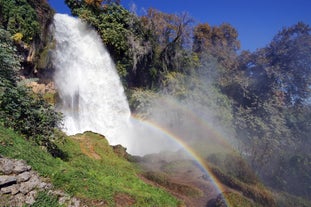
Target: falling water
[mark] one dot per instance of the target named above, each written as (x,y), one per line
(91,94)
(92,97)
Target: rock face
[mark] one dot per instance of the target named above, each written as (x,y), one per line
(19,185)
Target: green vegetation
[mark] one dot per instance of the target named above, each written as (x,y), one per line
(91,171)
(9,59)
(20,19)
(46,200)
(237,200)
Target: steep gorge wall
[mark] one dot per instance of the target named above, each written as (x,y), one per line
(37,71)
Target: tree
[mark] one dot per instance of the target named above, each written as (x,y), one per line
(288,63)
(170,36)
(202,38)
(270,89)
(221,42)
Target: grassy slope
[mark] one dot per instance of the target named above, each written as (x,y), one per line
(92,171)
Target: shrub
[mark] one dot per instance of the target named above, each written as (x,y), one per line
(29,114)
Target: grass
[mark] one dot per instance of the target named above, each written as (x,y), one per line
(163,180)
(237,200)
(46,200)
(91,172)
(258,193)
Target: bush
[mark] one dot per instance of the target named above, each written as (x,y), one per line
(28,114)
(9,60)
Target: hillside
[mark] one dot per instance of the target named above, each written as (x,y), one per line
(97,174)
(90,170)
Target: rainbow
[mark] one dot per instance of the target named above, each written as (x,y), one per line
(189,150)
(198,118)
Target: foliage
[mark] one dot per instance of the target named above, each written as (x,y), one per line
(171,35)
(20,17)
(219,41)
(124,37)
(9,60)
(197,92)
(28,114)
(270,90)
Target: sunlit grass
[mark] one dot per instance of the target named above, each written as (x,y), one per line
(91,172)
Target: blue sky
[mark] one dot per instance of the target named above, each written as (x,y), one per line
(256,21)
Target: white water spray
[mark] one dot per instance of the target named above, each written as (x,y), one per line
(92,96)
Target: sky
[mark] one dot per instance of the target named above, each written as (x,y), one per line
(256,21)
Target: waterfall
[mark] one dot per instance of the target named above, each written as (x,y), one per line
(91,94)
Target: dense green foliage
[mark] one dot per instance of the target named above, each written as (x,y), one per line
(9,59)
(28,114)
(18,17)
